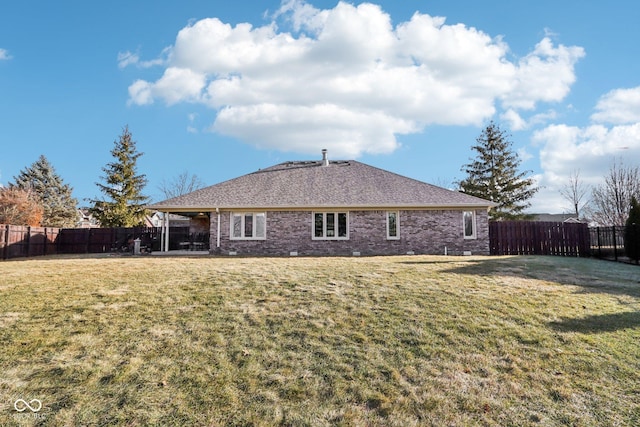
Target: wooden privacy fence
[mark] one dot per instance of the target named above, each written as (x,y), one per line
(24,241)
(505,238)
(539,238)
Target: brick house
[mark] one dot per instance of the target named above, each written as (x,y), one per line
(333,208)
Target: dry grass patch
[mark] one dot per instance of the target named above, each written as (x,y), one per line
(320,341)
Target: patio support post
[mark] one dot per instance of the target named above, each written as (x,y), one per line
(166,237)
(164,215)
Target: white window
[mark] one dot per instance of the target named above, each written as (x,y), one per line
(248,226)
(393,225)
(469,224)
(330,225)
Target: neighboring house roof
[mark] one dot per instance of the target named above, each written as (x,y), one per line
(315,184)
(156,220)
(86,219)
(555,218)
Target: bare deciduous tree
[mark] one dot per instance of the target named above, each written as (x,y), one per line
(574,192)
(611,200)
(179,185)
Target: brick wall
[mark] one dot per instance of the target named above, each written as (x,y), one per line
(421,232)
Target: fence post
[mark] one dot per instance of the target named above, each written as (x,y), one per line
(28,240)
(5,255)
(587,241)
(44,245)
(615,243)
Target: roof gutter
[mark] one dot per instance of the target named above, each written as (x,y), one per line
(185,209)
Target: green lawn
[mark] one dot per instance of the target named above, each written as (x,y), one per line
(388,341)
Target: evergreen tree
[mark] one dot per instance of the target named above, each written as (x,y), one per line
(41,179)
(125,206)
(632,232)
(494,176)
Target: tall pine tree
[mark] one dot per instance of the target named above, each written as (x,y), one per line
(125,204)
(494,176)
(632,232)
(41,179)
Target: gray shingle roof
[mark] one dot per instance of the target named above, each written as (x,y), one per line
(309,184)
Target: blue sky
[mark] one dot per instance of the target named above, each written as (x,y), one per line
(220,89)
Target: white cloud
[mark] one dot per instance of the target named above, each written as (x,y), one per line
(4,54)
(140,93)
(176,85)
(190,127)
(524,155)
(127,58)
(347,75)
(303,128)
(566,147)
(298,13)
(516,122)
(545,75)
(620,106)
(591,150)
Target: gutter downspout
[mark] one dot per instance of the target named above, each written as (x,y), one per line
(218,231)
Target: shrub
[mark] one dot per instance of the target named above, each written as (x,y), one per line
(632,232)
(19,207)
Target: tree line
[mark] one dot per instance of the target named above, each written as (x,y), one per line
(494,175)
(39,196)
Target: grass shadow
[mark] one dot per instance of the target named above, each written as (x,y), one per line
(590,275)
(599,323)
(465,265)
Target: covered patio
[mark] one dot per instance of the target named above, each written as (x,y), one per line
(197,240)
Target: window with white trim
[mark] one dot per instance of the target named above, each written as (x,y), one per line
(248,225)
(330,226)
(393,225)
(469,224)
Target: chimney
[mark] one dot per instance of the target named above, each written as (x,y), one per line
(325,160)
